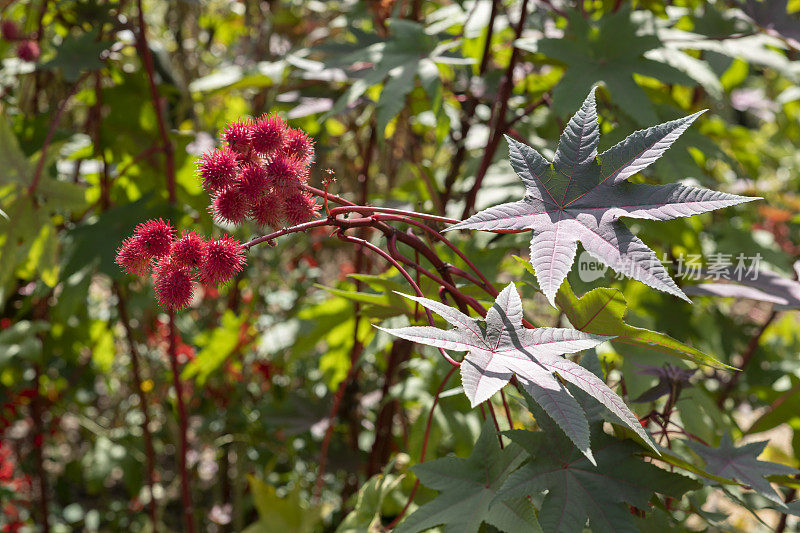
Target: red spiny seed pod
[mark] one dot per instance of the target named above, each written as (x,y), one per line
(189,251)
(286,173)
(268,211)
(300,207)
(268,134)
(28,51)
(224,258)
(229,205)
(174,288)
(131,258)
(299,146)
(252,182)
(237,136)
(218,169)
(9,30)
(154,238)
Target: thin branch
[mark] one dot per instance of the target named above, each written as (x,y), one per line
(166,144)
(150,478)
(183,423)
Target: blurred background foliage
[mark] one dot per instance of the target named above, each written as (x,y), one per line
(105,107)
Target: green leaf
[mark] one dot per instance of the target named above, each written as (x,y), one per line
(578,490)
(77,54)
(279,515)
(103,349)
(594,51)
(468,489)
(219,344)
(366,515)
(602,311)
(20,340)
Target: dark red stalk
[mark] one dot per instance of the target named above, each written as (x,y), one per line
(183,423)
(424,447)
(48,139)
(498,119)
(166,144)
(150,478)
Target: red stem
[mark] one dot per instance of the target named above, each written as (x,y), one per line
(37,174)
(500,106)
(188,515)
(168,149)
(137,383)
(424,447)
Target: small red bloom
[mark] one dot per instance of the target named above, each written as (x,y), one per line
(237,136)
(268,211)
(252,182)
(131,259)
(28,51)
(173,285)
(154,238)
(286,174)
(300,207)
(189,251)
(268,134)
(218,169)
(229,205)
(9,30)
(299,146)
(225,257)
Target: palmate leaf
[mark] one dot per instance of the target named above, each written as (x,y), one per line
(578,490)
(742,464)
(468,489)
(504,348)
(593,51)
(581,196)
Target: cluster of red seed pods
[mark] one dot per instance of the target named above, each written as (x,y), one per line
(258,175)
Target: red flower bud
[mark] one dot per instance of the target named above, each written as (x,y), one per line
(218,169)
(268,134)
(173,285)
(252,182)
(9,30)
(28,51)
(224,258)
(229,205)
(131,259)
(268,211)
(237,136)
(299,146)
(189,251)
(154,238)
(286,174)
(300,207)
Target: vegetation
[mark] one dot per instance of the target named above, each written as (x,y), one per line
(408,265)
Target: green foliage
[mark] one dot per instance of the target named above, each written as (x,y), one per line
(282,372)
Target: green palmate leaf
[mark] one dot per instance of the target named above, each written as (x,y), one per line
(581,196)
(503,347)
(468,489)
(578,490)
(77,54)
(602,311)
(742,464)
(407,53)
(595,51)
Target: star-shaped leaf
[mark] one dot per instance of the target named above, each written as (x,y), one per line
(503,347)
(593,50)
(742,464)
(468,489)
(578,490)
(581,196)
